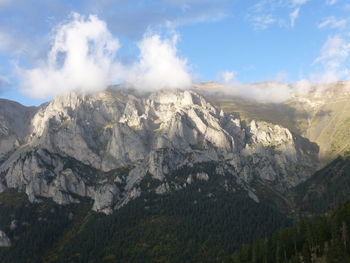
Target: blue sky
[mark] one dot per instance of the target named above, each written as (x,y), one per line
(283,40)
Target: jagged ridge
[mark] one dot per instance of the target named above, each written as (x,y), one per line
(146,134)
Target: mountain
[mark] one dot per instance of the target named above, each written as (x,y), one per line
(103,146)
(320,114)
(323,239)
(171,175)
(14,125)
(326,189)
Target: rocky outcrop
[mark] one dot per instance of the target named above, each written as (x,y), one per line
(4,240)
(103,146)
(14,126)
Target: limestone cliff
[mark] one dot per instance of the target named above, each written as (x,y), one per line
(103,146)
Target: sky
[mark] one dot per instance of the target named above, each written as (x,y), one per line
(48,47)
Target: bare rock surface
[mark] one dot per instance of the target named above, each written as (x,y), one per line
(4,240)
(103,146)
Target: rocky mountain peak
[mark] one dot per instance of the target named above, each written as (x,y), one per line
(79,144)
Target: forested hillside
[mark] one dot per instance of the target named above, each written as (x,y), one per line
(198,224)
(323,239)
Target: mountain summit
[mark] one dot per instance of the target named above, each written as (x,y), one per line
(107,145)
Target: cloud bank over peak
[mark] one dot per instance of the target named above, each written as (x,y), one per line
(158,66)
(83,58)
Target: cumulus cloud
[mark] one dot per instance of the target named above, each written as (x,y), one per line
(83,58)
(158,66)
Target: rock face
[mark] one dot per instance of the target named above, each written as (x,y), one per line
(4,240)
(104,146)
(14,126)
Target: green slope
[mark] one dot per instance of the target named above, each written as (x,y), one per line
(323,240)
(325,236)
(326,189)
(198,224)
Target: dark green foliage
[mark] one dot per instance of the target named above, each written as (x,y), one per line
(186,226)
(325,239)
(206,221)
(35,227)
(325,190)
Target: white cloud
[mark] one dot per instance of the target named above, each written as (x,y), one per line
(302,87)
(267,92)
(335,48)
(294,16)
(333,60)
(159,66)
(332,22)
(227,76)
(299,2)
(268,12)
(262,22)
(331,2)
(83,58)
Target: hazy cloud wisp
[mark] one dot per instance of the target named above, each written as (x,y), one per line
(332,22)
(294,16)
(333,59)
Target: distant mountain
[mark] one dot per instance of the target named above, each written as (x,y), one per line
(322,114)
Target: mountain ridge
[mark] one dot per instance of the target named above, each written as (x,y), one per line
(116,129)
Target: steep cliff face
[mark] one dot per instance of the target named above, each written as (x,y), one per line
(4,240)
(105,146)
(14,125)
